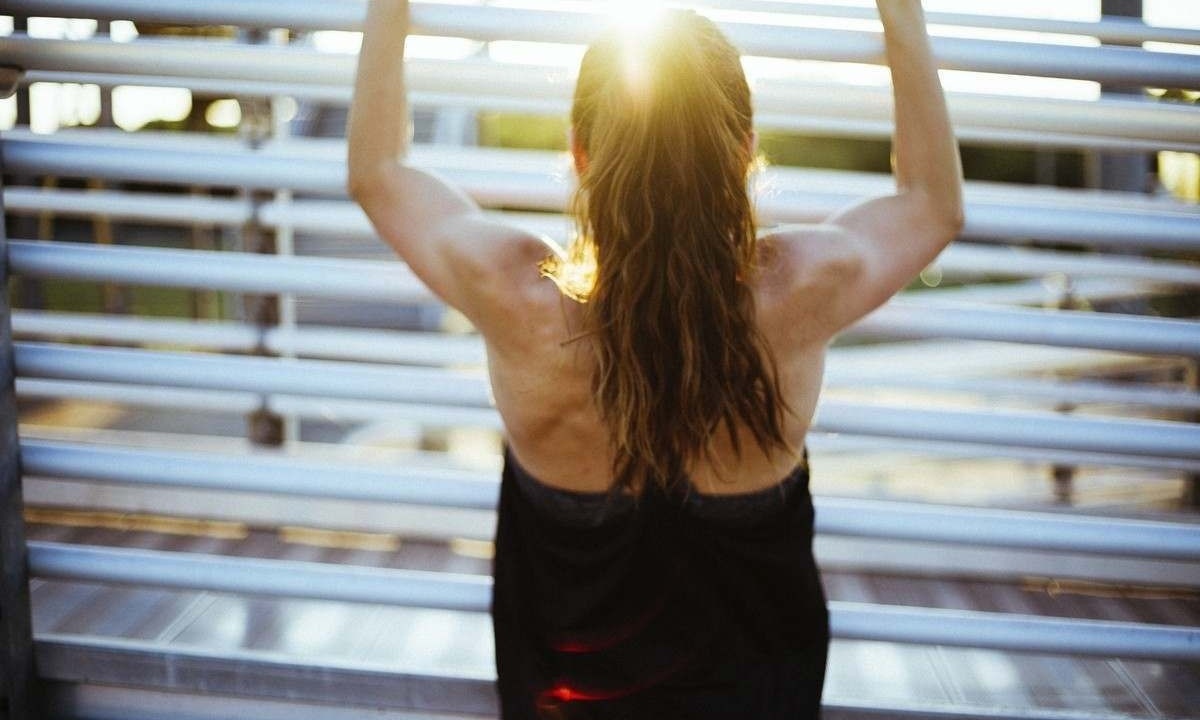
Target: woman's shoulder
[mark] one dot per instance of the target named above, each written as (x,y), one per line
(799,256)
(805,269)
(507,283)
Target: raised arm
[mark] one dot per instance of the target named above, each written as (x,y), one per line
(437,229)
(873,249)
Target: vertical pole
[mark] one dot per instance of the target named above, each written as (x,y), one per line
(1131,171)
(104,29)
(1191,490)
(264,427)
(26,226)
(1123,170)
(115,298)
(18,696)
(285,236)
(1063,474)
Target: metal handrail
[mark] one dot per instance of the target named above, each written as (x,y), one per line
(1117,65)
(817,108)
(423,348)
(531,180)
(1109,29)
(779,104)
(537,180)
(393,282)
(346,219)
(470,389)
(446,416)
(313,15)
(474,490)
(290,578)
(837,120)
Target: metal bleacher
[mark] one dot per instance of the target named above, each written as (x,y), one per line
(1032,550)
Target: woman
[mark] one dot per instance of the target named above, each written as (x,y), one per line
(656,380)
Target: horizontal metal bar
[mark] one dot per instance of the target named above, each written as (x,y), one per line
(439,349)
(1075,392)
(298,377)
(344,218)
(339,278)
(259,472)
(254,576)
(1025,429)
(1109,29)
(314,408)
(188,683)
(1006,631)
(395,346)
(983,116)
(1148,126)
(286,578)
(1042,292)
(538,181)
(106,678)
(962,259)
(1117,65)
(347,16)
(478,491)
(779,103)
(374,382)
(901,318)
(427,415)
(803,118)
(360,280)
(328,153)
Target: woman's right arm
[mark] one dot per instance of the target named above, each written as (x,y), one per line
(875,248)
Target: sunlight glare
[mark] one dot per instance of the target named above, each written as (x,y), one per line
(636,22)
(636,19)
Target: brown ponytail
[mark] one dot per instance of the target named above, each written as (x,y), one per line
(663,211)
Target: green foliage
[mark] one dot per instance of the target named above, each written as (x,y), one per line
(824,152)
(529,132)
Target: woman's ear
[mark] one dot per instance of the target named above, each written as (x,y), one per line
(578,152)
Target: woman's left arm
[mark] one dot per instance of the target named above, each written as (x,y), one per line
(440,232)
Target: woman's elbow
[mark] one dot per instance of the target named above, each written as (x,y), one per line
(956,219)
(363,183)
(358,184)
(943,212)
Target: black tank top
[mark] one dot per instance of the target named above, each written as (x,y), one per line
(677,605)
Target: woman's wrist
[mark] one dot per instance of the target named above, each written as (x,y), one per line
(900,11)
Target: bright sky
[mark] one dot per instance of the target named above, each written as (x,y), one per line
(56,105)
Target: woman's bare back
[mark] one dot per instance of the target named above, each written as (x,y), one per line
(541,384)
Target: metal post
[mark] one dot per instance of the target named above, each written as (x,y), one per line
(1191,489)
(104,28)
(18,692)
(285,236)
(1130,171)
(1063,474)
(1122,170)
(264,426)
(115,298)
(26,226)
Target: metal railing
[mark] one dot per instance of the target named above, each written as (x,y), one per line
(1116,65)
(435,380)
(537,181)
(779,103)
(284,578)
(391,282)
(459,488)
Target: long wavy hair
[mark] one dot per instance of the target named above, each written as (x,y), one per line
(665,249)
